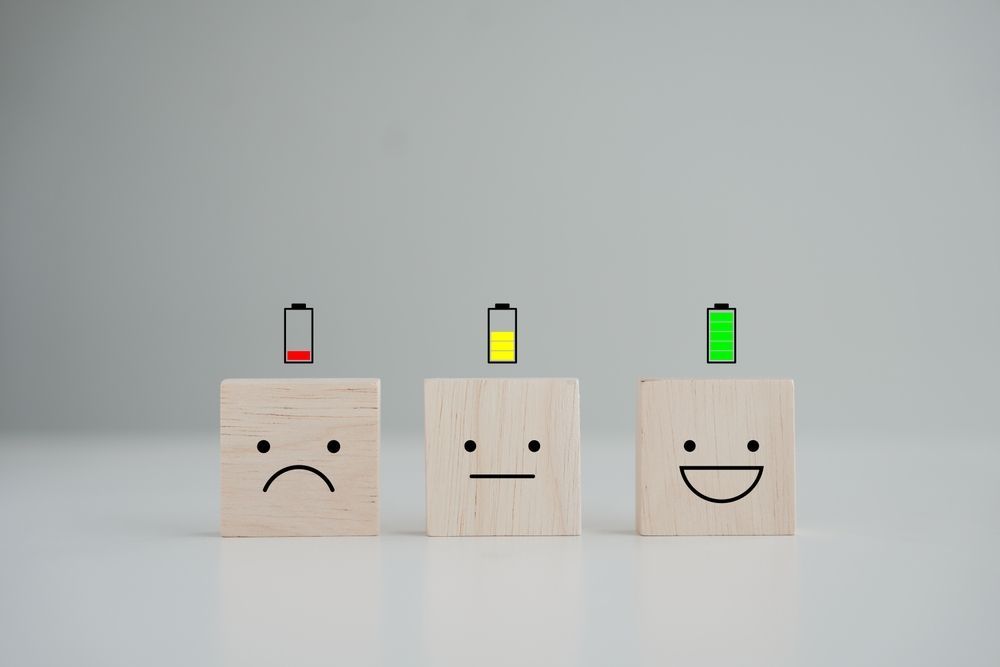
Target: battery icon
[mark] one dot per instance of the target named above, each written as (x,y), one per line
(722,334)
(501,323)
(298,334)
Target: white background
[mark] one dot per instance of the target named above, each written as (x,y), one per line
(111,556)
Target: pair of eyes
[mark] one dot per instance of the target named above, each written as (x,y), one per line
(264,446)
(534,445)
(689,445)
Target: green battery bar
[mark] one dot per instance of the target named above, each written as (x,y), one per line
(722,334)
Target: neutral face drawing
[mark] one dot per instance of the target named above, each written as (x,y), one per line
(470,446)
(715,457)
(300,457)
(503,457)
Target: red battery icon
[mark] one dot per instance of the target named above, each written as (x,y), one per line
(298,334)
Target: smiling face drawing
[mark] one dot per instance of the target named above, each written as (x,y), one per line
(503,457)
(687,472)
(715,457)
(299,457)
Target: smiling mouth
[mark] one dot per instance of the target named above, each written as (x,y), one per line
(298,467)
(500,476)
(685,469)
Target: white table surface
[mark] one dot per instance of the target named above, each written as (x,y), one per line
(111,556)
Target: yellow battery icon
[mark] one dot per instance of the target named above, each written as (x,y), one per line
(501,322)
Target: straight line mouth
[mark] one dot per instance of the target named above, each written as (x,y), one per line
(500,476)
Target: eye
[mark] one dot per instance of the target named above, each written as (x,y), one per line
(263,446)
(333,446)
(689,445)
(470,445)
(534,445)
(753,445)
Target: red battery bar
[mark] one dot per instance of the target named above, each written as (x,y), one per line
(298,334)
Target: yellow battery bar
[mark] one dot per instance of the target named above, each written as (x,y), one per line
(501,346)
(501,343)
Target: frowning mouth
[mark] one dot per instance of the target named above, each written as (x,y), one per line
(684,475)
(298,467)
(500,476)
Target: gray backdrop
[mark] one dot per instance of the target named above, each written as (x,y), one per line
(172,175)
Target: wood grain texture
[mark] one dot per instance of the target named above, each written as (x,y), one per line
(298,418)
(720,417)
(502,416)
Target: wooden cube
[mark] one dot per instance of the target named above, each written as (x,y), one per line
(299,457)
(715,457)
(503,456)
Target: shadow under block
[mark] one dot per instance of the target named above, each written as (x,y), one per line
(477,493)
(298,486)
(720,487)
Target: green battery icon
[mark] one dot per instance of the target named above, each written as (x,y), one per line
(722,334)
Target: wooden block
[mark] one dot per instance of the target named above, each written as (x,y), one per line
(738,476)
(503,486)
(318,471)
